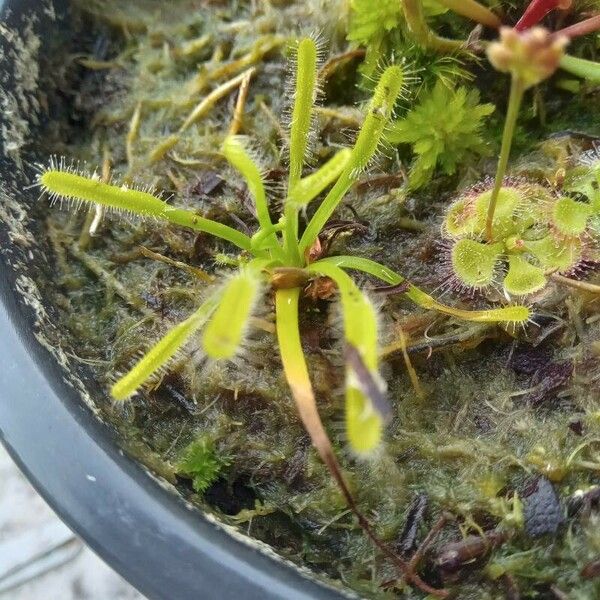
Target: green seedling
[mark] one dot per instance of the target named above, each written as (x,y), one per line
(445,128)
(276,257)
(201,462)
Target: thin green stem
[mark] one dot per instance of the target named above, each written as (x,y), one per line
(586,69)
(309,187)
(413,12)
(290,233)
(514,314)
(263,236)
(517,89)
(474,11)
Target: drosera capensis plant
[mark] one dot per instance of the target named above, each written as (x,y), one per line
(277,257)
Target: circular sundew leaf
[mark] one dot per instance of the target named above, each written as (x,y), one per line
(523,278)
(570,217)
(461,219)
(553,253)
(507,217)
(474,263)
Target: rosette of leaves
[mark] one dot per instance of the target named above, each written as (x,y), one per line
(277,259)
(534,234)
(444,129)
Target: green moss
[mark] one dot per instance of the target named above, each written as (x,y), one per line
(201,463)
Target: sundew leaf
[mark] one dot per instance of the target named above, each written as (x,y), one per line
(380,110)
(474,263)
(556,253)
(365,414)
(225,330)
(570,217)
(163,351)
(309,187)
(235,150)
(302,110)
(75,187)
(506,314)
(523,278)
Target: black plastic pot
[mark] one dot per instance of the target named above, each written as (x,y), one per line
(132,519)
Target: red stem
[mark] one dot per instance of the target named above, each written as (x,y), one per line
(582,28)
(537,10)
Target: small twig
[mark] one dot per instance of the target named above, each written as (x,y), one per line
(95,213)
(414,378)
(240,104)
(109,280)
(335,61)
(199,273)
(558,593)
(392,290)
(161,149)
(275,122)
(582,28)
(345,117)
(132,134)
(583,286)
(411,574)
(209,101)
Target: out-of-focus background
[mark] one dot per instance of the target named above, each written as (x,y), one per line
(40,559)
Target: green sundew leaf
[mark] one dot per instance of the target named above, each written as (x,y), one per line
(163,351)
(506,218)
(595,202)
(570,217)
(553,253)
(380,109)
(225,330)
(583,179)
(64,184)
(514,314)
(201,463)
(235,150)
(474,263)
(302,111)
(462,218)
(523,278)
(364,421)
(312,185)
